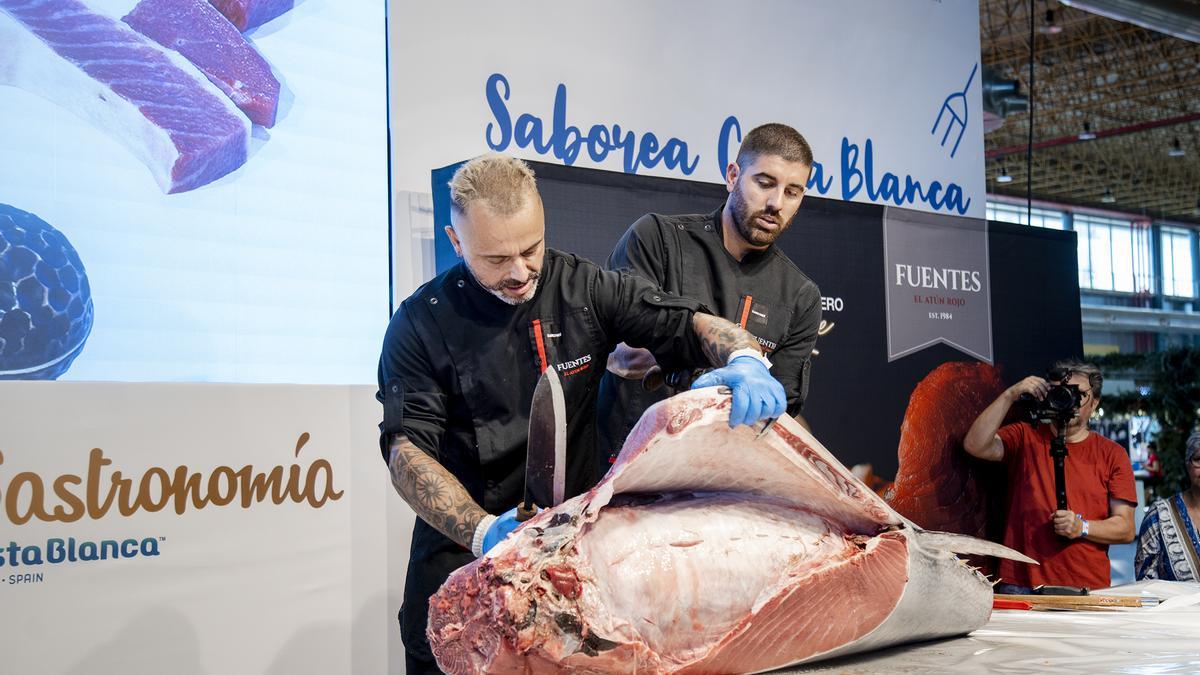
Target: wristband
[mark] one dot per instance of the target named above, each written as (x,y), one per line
(752,353)
(1083,520)
(480,531)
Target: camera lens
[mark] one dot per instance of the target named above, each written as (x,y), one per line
(1059,399)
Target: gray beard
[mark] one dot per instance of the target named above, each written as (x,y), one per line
(500,294)
(515,301)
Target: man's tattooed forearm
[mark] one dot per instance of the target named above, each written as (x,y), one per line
(433,492)
(720,338)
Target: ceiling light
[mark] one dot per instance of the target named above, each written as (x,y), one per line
(1003,177)
(1051,27)
(1176,149)
(1108,197)
(1087,134)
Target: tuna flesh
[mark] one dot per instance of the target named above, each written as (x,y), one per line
(247,14)
(203,36)
(938,485)
(706,551)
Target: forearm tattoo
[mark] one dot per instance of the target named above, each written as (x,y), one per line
(433,492)
(720,338)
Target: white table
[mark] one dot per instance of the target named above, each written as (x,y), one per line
(1161,639)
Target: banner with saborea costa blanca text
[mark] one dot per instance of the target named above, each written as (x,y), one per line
(888,93)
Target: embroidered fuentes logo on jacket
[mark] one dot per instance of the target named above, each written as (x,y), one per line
(546,339)
(574,366)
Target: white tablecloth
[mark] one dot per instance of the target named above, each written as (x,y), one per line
(1160,639)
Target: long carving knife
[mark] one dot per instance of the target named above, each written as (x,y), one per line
(546,462)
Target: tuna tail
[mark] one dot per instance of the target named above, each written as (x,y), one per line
(961,543)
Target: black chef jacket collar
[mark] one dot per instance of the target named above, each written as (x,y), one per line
(466,279)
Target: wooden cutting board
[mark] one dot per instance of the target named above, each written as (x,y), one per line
(1081,602)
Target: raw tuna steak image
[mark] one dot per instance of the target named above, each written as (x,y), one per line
(197,30)
(149,99)
(45,301)
(247,14)
(938,485)
(705,550)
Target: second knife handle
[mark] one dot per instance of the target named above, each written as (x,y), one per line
(526,511)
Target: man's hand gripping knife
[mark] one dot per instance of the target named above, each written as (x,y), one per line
(492,530)
(756,394)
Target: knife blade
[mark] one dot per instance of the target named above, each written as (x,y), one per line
(766,427)
(546,461)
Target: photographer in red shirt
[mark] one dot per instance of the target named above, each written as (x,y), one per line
(1071,544)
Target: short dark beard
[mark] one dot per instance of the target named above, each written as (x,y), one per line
(743,220)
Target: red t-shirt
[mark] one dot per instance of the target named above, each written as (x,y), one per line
(1096,470)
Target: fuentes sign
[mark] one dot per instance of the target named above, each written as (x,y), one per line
(937,283)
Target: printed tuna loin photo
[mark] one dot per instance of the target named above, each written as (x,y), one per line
(146,97)
(938,485)
(247,14)
(705,550)
(210,42)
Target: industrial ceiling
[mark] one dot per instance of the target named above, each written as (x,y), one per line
(1137,91)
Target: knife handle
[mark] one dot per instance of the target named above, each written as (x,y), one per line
(525,511)
(675,381)
(654,379)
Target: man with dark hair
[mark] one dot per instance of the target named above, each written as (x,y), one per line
(1071,544)
(727,261)
(775,139)
(463,354)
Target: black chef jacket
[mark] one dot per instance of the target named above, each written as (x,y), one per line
(765,293)
(459,366)
(457,375)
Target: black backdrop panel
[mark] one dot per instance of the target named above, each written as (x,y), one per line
(587,210)
(857,398)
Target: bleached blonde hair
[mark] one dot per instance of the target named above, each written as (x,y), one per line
(501,182)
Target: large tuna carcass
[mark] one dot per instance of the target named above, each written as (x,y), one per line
(705,550)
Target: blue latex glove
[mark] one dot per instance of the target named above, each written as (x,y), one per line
(500,529)
(756,395)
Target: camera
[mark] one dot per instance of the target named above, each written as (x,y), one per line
(1060,404)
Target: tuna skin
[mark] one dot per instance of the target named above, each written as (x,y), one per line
(704,551)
